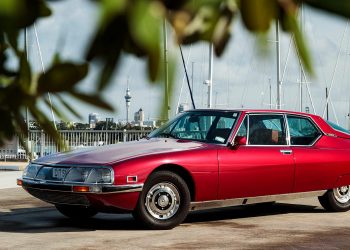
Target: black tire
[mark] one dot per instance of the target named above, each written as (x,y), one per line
(76,212)
(145,207)
(329,202)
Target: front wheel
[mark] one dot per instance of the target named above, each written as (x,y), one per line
(76,212)
(164,201)
(336,200)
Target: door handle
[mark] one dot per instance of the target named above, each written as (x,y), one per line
(286,151)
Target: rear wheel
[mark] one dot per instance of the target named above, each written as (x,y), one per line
(164,201)
(76,212)
(336,200)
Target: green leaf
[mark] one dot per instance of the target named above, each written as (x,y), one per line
(61,77)
(92,99)
(20,123)
(47,125)
(69,107)
(303,51)
(17,14)
(111,8)
(145,24)
(12,36)
(171,83)
(258,14)
(56,59)
(106,73)
(25,74)
(44,10)
(56,110)
(6,125)
(107,47)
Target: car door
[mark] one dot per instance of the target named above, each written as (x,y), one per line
(264,166)
(315,167)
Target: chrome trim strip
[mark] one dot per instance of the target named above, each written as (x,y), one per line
(248,129)
(68,188)
(201,205)
(288,139)
(232,135)
(261,114)
(314,124)
(235,132)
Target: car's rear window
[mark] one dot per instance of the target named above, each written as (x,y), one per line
(337,127)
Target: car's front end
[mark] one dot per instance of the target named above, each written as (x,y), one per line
(79,185)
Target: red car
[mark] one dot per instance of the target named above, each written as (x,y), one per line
(201,159)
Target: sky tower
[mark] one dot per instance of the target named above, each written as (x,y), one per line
(127,102)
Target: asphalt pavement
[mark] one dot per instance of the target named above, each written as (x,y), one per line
(27,223)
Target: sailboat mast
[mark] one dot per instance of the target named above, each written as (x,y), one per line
(327,108)
(27,111)
(270,93)
(349,115)
(279,82)
(210,77)
(300,66)
(166,94)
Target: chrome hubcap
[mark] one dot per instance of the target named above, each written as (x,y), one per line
(342,194)
(162,201)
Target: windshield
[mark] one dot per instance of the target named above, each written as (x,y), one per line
(205,126)
(337,127)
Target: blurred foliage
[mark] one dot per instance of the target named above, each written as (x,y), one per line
(127,26)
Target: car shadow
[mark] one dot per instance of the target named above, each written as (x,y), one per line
(250,211)
(48,219)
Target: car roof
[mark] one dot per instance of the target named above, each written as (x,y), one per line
(322,124)
(260,111)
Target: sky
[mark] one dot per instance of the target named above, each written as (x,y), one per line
(241,77)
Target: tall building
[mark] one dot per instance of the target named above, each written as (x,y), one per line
(139,117)
(93,119)
(127,102)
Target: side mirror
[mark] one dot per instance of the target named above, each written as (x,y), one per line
(239,141)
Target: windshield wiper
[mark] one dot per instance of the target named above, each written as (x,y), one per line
(167,135)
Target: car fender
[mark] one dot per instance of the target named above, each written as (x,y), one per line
(343,180)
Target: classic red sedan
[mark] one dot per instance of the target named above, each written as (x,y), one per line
(201,159)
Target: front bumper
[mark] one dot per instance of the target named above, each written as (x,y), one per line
(90,188)
(100,196)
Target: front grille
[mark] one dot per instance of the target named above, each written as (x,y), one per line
(59,197)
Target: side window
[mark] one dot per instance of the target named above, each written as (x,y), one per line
(302,131)
(267,130)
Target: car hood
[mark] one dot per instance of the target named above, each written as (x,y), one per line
(121,151)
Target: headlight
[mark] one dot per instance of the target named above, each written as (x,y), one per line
(78,174)
(89,175)
(31,171)
(100,175)
(66,174)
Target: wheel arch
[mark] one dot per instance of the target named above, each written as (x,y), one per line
(183,173)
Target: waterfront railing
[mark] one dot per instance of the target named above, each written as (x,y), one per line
(41,144)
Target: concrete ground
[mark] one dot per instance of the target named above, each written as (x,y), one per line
(27,223)
(8,179)
(12,165)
